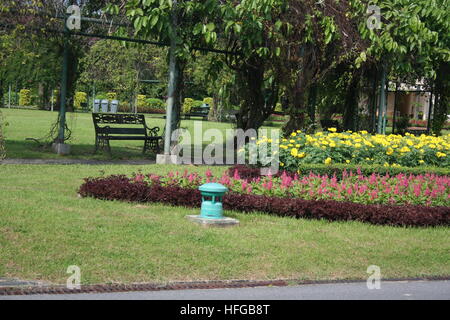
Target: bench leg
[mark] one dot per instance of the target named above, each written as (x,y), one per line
(102,144)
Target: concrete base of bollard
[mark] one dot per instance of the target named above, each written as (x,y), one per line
(61,148)
(205,222)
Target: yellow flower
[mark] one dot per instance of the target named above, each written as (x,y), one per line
(405,149)
(389,151)
(301,155)
(293,134)
(421,161)
(327,160)
(347,161)
(294,152)
(440,154)
(332,129)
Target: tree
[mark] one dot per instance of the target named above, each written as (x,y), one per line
(113,66)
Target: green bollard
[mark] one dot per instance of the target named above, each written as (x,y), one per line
(212,195)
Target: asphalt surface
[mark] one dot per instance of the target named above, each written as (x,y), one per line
(398,290)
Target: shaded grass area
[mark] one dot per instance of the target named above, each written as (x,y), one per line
(45,227)
(23,124)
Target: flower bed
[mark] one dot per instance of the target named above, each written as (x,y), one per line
(354,198)
(252,172)
(360,148)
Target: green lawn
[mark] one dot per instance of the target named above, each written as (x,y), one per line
(24,124)
(45,227)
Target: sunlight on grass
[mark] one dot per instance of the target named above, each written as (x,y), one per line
(45,227)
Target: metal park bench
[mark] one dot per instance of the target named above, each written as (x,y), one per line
(136,129)
(197,112)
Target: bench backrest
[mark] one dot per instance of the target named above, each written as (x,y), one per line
(119,119)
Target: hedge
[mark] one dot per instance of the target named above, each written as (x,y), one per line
(125,189)
(24,97)
(249,172)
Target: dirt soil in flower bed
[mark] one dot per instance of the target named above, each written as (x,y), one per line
(127,189)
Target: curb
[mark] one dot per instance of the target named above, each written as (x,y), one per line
(108,288)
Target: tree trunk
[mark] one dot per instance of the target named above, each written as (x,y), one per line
(44,96)
(442,90)
(255,109)
(351,105)
(297,109)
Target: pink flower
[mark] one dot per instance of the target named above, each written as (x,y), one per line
(417,190)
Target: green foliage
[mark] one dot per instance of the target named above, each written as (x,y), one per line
(209,101)
(156,103)
(367,170)
(187,104)
(141,101)
(25,97)
(111,96)
(80,97)
(112,67)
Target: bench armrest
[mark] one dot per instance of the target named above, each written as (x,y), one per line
(153,131)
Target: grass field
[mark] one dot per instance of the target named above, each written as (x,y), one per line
(24,124)
(45,227)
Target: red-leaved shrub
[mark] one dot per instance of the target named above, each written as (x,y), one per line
(126,189)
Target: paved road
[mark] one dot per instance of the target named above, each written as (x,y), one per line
(402,290)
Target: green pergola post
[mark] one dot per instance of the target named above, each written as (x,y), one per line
(62,110)
(173,80)
(381,128)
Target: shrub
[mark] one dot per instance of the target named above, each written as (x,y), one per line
(209,101)
(136,190)
(101,96)
(156,103)
(111,96)
(141,101)
(24,97)
(80,97)
(187,104)
(249,172)
(197,103)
